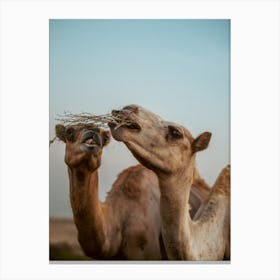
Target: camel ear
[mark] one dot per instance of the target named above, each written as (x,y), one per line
(201,142)
(106,136)
(60,132)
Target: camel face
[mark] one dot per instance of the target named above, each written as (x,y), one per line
(84,144)
(158,144)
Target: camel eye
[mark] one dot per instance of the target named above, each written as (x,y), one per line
(70,134)
(174,132)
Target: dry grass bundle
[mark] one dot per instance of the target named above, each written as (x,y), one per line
(83,119)
(89,119)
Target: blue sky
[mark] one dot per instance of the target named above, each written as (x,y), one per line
(179,69)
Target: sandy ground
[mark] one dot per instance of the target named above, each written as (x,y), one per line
(63,240)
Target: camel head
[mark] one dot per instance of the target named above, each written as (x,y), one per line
(162,146)
(84,144)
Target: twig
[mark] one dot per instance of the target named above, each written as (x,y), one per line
(52,140)
(69,119)
(85,118)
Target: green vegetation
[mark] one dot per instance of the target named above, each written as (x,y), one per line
(63,252)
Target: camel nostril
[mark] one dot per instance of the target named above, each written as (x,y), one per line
(115,112)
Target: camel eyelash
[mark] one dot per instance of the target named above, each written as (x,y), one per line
(174,132)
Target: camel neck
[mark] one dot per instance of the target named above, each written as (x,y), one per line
(87,209)
(183,237)
(174,209)
(83,191)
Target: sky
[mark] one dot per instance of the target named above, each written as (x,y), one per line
(179,69)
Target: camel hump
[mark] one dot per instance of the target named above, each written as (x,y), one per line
(135,181)
(222,184)
(201,187)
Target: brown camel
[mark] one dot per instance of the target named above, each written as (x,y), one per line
(120,227)
(127,224)
(169,150)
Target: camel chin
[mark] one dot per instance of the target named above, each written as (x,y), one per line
(91,149)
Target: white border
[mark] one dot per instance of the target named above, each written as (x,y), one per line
(254,129)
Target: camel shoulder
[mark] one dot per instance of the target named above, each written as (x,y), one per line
(135,181)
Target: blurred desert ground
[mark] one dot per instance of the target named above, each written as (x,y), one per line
(63,240)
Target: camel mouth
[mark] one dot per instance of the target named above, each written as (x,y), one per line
(123,119)
(127,124)
(133,126)
(90,140)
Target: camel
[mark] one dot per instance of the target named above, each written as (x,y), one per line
(109,230)
(119,228)
(170,150)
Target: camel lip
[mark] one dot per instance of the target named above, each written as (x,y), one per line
(124,118)
(89,148)
(133,126)
(88,135)
(90,141)
(112,124)
(115,125)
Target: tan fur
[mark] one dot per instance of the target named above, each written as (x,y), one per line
(169,150)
